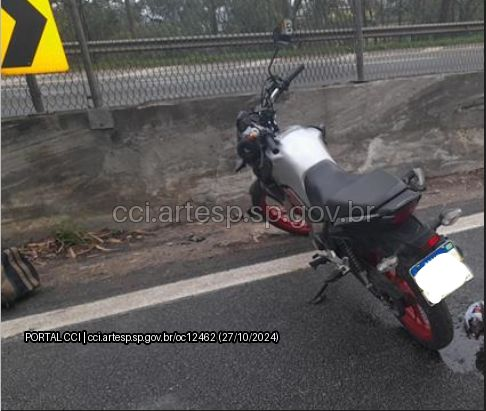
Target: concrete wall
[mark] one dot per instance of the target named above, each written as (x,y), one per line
(56,167)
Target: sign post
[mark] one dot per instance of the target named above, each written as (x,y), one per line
(35,93)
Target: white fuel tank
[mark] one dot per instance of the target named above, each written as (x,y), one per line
(299,149)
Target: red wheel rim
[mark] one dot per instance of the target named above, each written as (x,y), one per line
(278,217)
(414,319)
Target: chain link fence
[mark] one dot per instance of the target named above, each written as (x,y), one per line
(153,50)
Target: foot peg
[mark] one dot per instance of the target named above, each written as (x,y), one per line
(318,260)
(329,257)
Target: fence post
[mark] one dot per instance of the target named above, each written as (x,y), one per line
(88,66)
(35,93)
(358,39)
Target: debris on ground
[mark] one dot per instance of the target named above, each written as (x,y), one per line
(474,319)
(196,238)
(73,243)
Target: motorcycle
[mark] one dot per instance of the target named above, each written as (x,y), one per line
(361,224)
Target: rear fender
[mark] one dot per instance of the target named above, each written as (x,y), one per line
(411,238)
(408,239)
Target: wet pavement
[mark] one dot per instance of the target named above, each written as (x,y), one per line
(464,354)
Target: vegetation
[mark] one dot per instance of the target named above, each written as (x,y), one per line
(121,19)
(68,234)
(189,57)
(68,239)
(117,19)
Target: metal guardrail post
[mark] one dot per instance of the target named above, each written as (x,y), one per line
(35,93)
(358,38)
(88,66)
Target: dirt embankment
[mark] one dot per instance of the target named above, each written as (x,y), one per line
(189,242)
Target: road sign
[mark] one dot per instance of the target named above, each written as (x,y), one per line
(30,39)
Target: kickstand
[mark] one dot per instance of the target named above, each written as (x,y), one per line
(320,296)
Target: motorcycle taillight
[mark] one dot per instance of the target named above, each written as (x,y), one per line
(432,242)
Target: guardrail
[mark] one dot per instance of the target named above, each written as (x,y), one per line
(245,39)
(135,71)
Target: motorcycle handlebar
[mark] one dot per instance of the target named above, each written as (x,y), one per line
(286,83)
(294,74)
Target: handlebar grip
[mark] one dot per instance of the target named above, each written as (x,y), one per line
(294,74)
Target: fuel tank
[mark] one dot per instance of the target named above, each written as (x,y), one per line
(299,149)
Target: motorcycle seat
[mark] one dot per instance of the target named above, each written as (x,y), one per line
(342,194)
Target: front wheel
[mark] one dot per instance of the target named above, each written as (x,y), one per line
(431,326)
(275,213)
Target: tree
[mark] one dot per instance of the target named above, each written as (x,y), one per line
(445,11)
(130,21)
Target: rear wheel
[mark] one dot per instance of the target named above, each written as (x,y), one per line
(431,326)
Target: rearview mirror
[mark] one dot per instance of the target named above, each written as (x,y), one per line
(282,35)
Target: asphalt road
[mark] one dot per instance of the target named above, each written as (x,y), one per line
(346,353)
(121,87)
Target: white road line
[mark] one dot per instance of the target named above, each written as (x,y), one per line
(157,295)
(181,289)
(465,223)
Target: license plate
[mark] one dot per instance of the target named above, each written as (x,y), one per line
(440,273)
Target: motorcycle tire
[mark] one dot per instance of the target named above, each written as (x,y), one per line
(431,326)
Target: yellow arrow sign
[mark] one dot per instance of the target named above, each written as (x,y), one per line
(30,40)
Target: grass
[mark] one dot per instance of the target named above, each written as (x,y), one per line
(422,43)
(181,57)
(69,234)
(148,59)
